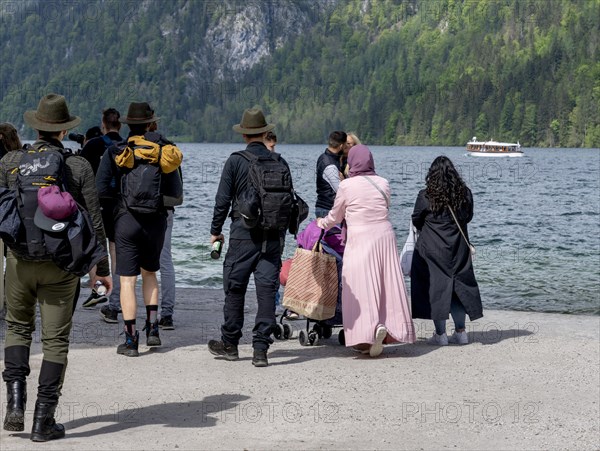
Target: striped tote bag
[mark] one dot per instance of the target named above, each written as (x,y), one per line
(312,285)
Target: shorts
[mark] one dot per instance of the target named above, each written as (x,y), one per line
(139,240)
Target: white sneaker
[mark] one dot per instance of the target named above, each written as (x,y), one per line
(459,338)
(377,347)
(438,340)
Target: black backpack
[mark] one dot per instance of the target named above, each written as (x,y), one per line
(75,248)
(37,168)
(141,187)
(300,212)
(268,200)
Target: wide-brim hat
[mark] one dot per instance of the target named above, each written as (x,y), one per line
(52,115)
(253,123)
(139,113)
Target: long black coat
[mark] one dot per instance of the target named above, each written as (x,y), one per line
(441,262)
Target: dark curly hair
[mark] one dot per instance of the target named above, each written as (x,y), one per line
(9,138)
(444,186)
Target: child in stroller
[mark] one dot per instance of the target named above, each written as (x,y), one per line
(332,244)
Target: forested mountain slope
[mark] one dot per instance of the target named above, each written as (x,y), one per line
(414,72)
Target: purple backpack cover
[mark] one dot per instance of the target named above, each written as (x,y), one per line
(309,236)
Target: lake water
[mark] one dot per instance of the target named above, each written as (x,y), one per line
(536,225)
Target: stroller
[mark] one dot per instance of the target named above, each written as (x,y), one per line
(331,243)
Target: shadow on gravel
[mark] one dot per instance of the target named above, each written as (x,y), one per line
(194,414)
(493,336)
(485,337)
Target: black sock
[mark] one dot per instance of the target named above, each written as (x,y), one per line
(130,326)
(152,313)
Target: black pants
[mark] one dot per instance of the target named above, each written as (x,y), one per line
(244,257)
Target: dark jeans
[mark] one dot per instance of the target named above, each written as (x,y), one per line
(458,313)
(244,257)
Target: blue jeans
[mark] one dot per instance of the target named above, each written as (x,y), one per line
(167,272)
(458,313)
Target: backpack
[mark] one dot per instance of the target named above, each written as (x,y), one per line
(172,188)
(268,199)
(37,168)
(145,162)
(300,211)
(73,248)
(140,188)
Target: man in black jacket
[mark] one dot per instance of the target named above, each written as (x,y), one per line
(328,173)
(250,251)
(93,150)
(139,232)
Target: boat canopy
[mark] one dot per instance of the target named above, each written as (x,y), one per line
(492,143)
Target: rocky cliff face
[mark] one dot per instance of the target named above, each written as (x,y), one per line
(242,33)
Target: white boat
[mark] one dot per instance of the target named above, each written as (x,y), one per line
(493,149)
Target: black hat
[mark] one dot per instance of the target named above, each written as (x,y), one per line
(93,132)
(139,113)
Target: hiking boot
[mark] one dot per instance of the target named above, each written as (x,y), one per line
(44,427)
(260,358)
(130,347)
(166,323)
(152,338)
(109,315)
(218,348)
(94,299)
(16,398)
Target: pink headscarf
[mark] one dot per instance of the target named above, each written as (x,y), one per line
(360,161)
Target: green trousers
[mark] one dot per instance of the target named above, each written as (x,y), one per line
(27,284)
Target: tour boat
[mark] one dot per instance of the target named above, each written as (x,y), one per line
(493,149)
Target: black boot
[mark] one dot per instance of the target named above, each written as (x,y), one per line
(44,427)
(260,358)
(152,336)
(130,347)
(16,397)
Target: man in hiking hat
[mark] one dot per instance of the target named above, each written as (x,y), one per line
(251,250)
(139,229)
(37,279)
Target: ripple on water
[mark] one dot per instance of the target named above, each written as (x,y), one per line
(531,254)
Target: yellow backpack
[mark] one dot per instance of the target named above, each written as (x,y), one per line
(145,162)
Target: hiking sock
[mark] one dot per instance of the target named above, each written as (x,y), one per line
(130,326)
(152,313)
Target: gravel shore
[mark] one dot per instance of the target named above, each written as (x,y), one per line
(525,381)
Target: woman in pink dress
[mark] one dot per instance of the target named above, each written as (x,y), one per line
(374,300)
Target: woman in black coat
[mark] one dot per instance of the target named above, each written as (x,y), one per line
(442,277)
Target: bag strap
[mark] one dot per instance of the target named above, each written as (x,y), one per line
(459,227)
(317,246)
(387,200)
(247,155)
